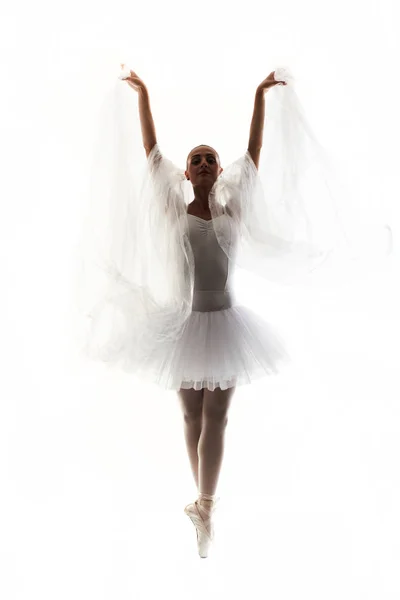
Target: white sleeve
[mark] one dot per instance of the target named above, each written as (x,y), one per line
(292,215)
(165,179)
(133,282)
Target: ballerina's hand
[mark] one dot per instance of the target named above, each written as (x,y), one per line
(134,81)
(269,82)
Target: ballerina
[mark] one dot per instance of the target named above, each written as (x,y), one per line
(205,411)
(167,310)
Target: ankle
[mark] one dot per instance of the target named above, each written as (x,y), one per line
(206,503)
(207,500)
(203,497)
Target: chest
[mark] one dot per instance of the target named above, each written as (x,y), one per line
(206,216)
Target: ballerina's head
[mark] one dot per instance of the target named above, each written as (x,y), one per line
(203,166)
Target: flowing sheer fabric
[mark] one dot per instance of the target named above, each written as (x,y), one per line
(135,271)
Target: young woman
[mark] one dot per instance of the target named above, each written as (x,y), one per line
(168,311)
(216,343)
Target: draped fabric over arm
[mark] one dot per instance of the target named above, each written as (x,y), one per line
(135,269)
(295,217)
(134,275)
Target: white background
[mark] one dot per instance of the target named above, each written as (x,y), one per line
(93,465)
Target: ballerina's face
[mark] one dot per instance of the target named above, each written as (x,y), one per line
(203,166)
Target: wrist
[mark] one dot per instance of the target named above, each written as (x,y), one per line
(143,91)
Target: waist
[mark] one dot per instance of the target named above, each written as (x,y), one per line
(207,300)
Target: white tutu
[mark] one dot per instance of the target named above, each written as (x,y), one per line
(218,348)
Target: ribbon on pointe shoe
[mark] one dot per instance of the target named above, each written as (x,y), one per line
(205,512)
(201,518)
(208,497)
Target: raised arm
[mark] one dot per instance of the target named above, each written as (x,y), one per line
(257,122)
(257,127)
(146,118)
(146,121)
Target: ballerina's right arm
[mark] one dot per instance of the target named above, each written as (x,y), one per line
(146,121)
(146,118)
(163,173)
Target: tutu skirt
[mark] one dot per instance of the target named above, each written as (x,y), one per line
(222,345)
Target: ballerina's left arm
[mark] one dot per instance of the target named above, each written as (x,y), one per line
(257,122)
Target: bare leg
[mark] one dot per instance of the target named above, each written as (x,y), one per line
(192,406)
(211,444)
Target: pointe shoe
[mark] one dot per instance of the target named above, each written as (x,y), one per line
(201,518)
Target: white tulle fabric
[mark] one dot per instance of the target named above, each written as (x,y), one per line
(136,270)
